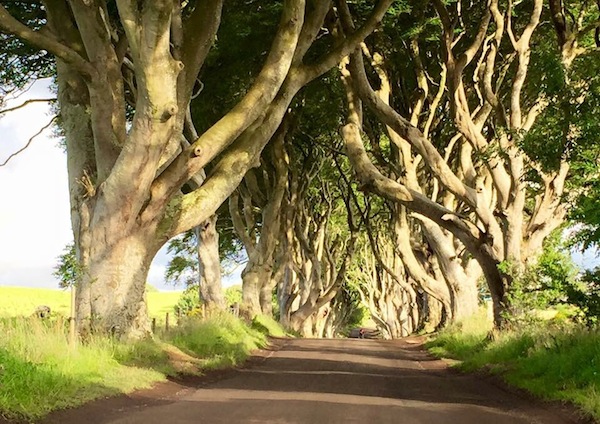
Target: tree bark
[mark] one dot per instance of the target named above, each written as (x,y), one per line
(211,290)
(114,278)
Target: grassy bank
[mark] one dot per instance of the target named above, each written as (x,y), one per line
(40,372)
(554,362)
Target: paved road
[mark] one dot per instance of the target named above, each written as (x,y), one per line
(341,381)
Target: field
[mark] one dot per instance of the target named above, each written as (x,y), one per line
(22,301)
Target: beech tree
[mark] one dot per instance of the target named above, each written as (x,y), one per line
(256,212)
(126,72)
(486,190)
(320,232)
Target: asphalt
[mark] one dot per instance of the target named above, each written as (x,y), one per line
(329,381)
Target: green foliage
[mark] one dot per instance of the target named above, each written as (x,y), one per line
(20,64)
(586,296)
(545,284)
(246,30)
(587,214)
(68,270)
(553,282)
(553,362)
(189,303)
(183,266)
(233,295)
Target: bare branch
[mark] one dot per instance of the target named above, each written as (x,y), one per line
(27,102)
(44,128)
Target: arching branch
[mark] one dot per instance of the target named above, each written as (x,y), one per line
(44,42)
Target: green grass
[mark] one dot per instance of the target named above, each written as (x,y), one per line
(224,339)
(553,362)
(22,301)
(40,372)
(268,325)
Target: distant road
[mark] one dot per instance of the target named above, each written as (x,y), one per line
(329,381)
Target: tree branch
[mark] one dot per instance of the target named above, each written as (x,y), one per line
(27,102)
(349,44)
(45,42)
(199,32)
(45,127)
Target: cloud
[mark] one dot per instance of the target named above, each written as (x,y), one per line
(34,214)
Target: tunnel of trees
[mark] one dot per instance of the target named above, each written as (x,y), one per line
(402,159)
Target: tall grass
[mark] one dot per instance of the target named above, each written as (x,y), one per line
(40,372)
(223,339)
(556,362)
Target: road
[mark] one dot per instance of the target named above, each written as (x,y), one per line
(332,381)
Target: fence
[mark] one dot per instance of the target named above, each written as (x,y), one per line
(168,323)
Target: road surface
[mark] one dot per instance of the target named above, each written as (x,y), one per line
(330,381)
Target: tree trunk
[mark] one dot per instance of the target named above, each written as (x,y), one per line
(465,300)
(498,283)
(266,299)
(461,278)
(253,279)
(211,290)
(115,281)
(433,314)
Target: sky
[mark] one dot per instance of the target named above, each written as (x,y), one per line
(34,202)
(35,223)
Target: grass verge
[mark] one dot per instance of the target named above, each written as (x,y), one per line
(551,361)
(40,372)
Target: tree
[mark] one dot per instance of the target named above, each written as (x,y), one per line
(485,188)
(258,224)
(126,72)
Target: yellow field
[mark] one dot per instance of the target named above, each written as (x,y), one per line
(22,301)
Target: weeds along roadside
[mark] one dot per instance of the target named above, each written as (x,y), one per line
(40,372)
(553,359)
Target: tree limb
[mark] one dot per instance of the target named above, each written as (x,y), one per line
(45,127)
(45,42)
(27,102)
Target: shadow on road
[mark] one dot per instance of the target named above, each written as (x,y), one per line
(330,381)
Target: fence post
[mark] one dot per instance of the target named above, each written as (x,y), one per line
(167,322)
(72,333)
(153,325)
